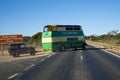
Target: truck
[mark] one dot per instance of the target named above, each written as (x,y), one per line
(16,49)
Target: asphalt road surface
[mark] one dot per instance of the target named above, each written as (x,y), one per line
(90,64)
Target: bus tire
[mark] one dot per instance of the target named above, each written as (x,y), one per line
(62,48)
(84,47)
(75,48)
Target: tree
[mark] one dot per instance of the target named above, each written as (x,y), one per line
(118,36)
(113,32)
(37,38)
(112,37)
(38,35)
(26,39)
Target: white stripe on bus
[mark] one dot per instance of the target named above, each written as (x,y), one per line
(59,39)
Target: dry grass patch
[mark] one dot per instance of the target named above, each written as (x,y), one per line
(112,47)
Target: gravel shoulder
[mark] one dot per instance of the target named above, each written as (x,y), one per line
(108,47)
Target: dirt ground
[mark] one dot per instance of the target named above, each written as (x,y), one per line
(110,47)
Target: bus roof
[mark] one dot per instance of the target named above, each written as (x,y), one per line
(64,25)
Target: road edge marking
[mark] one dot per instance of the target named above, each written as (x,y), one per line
(43,59)
(81,57)
(111,53)
(116,55)
(14,75)
(32,65)
(26,68)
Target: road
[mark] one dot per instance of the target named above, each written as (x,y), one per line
(90,64)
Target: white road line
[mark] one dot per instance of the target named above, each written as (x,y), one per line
(81,57)
(32,65)
(26,68)
(111,53)
(14,75)
(108,52)
(49,56)
(29,67)
(43,59)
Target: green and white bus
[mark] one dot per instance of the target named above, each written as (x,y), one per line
(61,37)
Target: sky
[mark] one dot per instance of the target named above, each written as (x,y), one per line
(28,17)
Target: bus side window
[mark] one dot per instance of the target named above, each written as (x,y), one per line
(72,39)
(75,39)
(78,28)
(71,28)
(68,39)
(75,28)
(67,28)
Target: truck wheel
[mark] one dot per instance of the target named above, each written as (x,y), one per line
(13,55)
(16,54)
(32,53)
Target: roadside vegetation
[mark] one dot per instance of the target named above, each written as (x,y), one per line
(34,40)
(112,37)
(111,40)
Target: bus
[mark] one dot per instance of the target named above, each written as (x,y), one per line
(62,37)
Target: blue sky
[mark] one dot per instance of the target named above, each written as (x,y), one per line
(28,17)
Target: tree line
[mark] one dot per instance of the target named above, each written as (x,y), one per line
(112,37)
(34,40)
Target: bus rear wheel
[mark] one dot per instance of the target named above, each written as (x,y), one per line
(84,47)
(62,48)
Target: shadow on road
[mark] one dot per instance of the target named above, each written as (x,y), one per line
(92,48)
(87,48)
